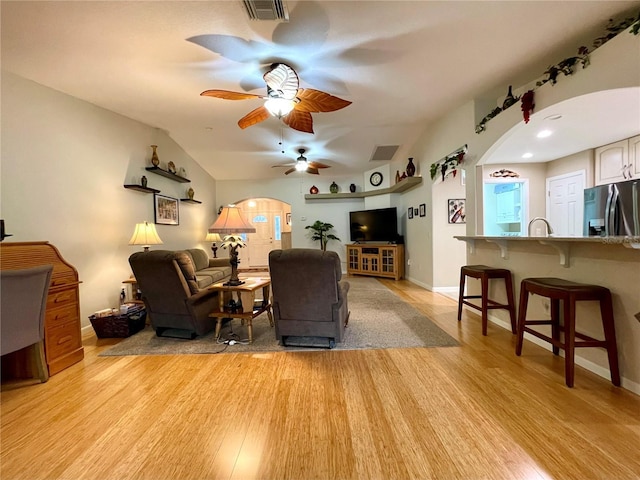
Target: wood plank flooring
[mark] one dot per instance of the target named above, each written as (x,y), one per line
(471,412)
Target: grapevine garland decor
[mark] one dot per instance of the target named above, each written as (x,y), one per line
(566,67)
(448,164)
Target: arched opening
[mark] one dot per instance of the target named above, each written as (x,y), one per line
(272,220)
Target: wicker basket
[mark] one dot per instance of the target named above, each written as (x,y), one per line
(119,326)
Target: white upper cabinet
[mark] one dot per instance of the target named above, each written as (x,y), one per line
(634,157)
(618,161)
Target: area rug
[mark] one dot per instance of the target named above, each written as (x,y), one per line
(379,319)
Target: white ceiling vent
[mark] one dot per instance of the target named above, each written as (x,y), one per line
(384,153)
(267,10)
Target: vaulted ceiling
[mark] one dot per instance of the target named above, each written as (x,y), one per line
(401,64)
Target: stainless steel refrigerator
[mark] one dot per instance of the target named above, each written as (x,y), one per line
(612,210)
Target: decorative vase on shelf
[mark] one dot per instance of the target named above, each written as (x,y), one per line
(190,193)
(398,176)
(143,181)
(509,99)
(155,161)
(411,168)
(313,190)
(333,188)
(352,188)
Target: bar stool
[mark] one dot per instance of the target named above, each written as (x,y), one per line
(557,289)
(485,273)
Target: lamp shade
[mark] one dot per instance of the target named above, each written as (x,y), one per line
(145,234)
(213,237)
(231,221)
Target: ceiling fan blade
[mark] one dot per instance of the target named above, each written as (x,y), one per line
(316,101)
(283,80)
(299,120)
(313,171)
(227,95)
(318,165)
(284,165)
(291,170)
(254,116)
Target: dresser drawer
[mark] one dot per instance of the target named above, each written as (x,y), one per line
(61,340)
(62,298)
(64,314)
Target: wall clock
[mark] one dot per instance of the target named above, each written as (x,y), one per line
(375,179)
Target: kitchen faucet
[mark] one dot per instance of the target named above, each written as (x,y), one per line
(549,229)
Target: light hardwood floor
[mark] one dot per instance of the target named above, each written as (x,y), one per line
(471,412)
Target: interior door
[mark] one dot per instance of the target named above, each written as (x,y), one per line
(264,240)
(565,205)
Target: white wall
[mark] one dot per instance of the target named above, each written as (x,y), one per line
(64,164)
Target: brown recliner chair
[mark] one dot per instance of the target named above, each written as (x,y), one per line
(309,297)
(176,305)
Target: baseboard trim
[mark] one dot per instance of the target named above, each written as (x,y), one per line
(583,362)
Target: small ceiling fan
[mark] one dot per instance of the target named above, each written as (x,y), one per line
(302,165)
(284,100)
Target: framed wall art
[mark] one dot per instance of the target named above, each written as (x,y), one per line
(166,210)
(423,209)
(456,212)
(410,213)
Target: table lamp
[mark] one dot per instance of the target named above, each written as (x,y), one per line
(230,223)
(145,234)
(213,237)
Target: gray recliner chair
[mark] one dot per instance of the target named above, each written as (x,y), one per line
(171,290)
(309,296)
(24,300)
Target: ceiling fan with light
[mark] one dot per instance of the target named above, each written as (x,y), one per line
(302,165)
(285,100)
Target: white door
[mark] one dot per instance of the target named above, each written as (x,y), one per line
(565,203)
(265,239)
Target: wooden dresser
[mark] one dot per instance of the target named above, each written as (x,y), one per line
(62,336)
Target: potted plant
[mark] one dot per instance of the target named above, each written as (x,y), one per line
(321,233)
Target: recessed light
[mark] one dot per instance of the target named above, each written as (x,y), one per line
(544,133)
(527,155)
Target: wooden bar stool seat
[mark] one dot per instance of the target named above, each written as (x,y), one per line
(557,289)
(484,274)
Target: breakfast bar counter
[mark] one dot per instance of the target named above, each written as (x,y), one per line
(612,262)
(562,245)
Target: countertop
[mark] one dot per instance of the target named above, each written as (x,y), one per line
(560,244)
(605,240)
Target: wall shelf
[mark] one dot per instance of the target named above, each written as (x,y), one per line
(189,200)
(167,174)
(402,186)
(140,188)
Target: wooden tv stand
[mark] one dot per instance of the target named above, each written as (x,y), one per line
(376,260)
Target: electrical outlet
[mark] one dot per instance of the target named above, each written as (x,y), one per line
(409,261)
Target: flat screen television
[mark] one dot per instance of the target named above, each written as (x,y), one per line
(378,225)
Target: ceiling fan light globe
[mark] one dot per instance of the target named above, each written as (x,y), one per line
(279,107)
(301,166)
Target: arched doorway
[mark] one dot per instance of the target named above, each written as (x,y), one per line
(272,220)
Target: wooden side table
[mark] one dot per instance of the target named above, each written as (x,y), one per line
(245,297)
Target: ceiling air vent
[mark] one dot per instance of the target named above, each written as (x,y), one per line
(384,153)
(267,10)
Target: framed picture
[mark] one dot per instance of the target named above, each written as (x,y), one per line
(415,212)
(423,209)
(456,212)
(166,210)
(410,213)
